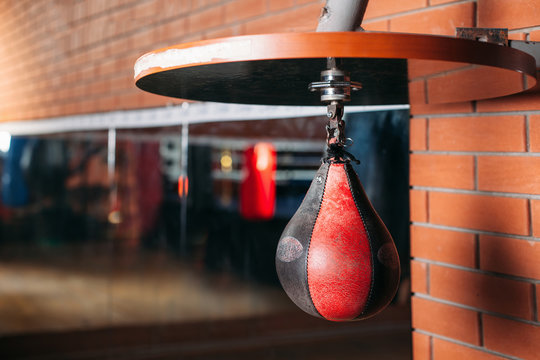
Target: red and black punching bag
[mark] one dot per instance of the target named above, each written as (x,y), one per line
(336,259)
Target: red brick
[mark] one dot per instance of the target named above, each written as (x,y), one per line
(438,2)
(445,350)
(176,7)
(511,337)
(223,32)
(419,277)
(243,9)
(535,217)
(534,35)
(194,36)
(534,133)
(446,320)
(485,133)
(510,256)
(120,84)
(391,7)
(132,99)
(107,103)
(421,347)
(446,246)
(417,98)
(448,171)
(490,213)
(417,92)
(473,84)
(382,25)
(174,28)
(505,296)
(418,205)
(151,100)
(517,102)
(509,14)
(144,10)
(418,134)
(418,68)
(203,3)
(517,174)
(279,4)
(537,301)
(518,36)
(437,21)
(205,19)
(304,18)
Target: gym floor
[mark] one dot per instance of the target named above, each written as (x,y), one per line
(154,307)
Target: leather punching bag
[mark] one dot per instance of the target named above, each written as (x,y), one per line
(336,259)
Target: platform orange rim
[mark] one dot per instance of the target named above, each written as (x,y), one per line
(334,44)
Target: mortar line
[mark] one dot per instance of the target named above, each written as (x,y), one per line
(475,160)
(431,356)
(474,231)
(523,29)
(475,192)
(415,11)
(472,308)
(428,278)
(426,91)
(478,153)
(529,217)
(428,215)
(268,13)
(534,302)
(478,271)
(427,134)
(458,342)
(477,251)
(479,114)
(527,134)
(480,328)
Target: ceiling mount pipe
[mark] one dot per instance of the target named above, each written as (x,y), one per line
(342,15)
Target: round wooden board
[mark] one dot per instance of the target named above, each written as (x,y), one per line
(275,69)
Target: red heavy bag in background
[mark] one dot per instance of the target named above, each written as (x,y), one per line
(258,187)
(336,259)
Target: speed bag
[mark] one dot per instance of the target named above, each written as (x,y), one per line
(335,258)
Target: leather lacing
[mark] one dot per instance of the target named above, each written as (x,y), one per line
(336,154)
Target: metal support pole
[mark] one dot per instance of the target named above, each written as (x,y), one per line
(335,84)
(184,177)
(115,217)
(342,15)
(111,155)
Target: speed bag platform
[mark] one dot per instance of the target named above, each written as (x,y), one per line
(335,258)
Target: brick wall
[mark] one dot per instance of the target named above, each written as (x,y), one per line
(475,183)
(72,57)
(475,194)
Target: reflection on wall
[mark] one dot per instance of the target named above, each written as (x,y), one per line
(381,142)
(84,247)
